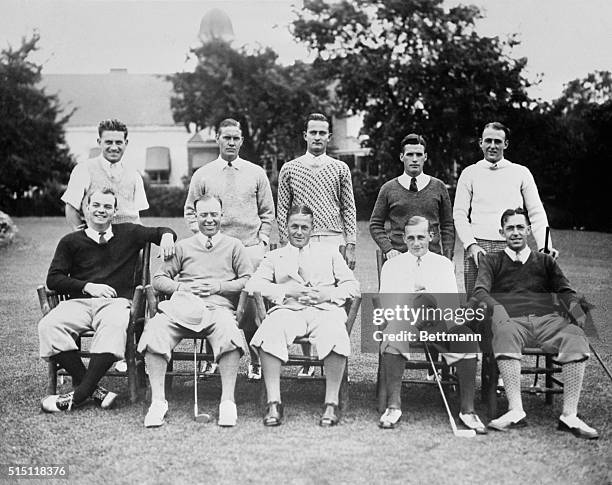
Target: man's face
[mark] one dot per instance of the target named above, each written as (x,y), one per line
(493,143)
(100,210)
(208,214)
(317,137)
(229,140)
(515,231)
(299,227)
(413,157)
(113,145)
(417,239)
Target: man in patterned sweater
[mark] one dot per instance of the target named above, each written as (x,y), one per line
(519,285)
(325,185)
(106,171)
(212,268)
(413,193)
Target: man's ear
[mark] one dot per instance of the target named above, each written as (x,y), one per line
(99,141)
(501,233)
(506,143)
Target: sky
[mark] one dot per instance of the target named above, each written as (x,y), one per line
(562,39)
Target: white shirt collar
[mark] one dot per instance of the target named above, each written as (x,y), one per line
(312,161)
(237,163)
(493,166)
(214,239)
(522,256)
(422,180)
(305,251)
(95,235)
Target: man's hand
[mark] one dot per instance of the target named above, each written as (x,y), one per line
(500,315)
(392,253)
(349,255)
(474,252)
(166,246)
(552,251)
(99,290)
(575,311)
(206,289)
(319,294)
(297,291)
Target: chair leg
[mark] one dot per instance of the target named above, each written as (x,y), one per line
(491,390)
(549,379)
(381,385)
(168,380)
(52,379)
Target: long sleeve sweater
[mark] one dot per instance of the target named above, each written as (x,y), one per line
(248,207)
(328,191)
(397,205)
(522,289)
(483,194)
(79,260)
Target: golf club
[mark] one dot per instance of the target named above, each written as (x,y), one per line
(460,433)
(200,418)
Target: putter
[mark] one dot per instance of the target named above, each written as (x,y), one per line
(460,433)
(197,417)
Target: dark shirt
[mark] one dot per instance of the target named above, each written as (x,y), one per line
(79,260)
(522,289)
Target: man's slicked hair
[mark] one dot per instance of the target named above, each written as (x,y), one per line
(229,122)
(417,221)
(207,197)
(112,125)
(519,211)
(105,191)
(496,125)
(317,117)
(299,209)
(413,139)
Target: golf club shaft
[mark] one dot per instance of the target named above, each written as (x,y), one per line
(437,378)
(195,379)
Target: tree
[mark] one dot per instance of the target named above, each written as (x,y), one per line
(268,99)
(579,94)
(33,153)
(413,65)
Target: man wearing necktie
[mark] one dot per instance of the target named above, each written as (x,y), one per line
(419,278)
(309,283)
(106,170)
(95,266)
(413,193)
(248,207)
(519,286)
(484,190)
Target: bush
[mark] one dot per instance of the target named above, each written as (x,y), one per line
(39,202)
(165,201)
(365,188)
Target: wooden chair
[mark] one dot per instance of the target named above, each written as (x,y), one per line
(351,307)
(448,379)
(204,354)
(49,299)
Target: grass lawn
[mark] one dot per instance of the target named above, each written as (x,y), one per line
(114,447)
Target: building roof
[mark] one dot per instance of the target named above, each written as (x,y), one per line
(135,99)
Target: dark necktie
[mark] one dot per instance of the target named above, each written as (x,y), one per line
(413,185)
(102,240)
(209,243)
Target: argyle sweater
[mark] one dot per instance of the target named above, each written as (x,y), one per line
(79,260)
(328,191)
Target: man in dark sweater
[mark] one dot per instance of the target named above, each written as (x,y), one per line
(95,266)
(519,286)
(413,193)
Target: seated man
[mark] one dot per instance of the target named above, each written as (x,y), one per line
(424,276)
(309,284)
(95,266)
(519,285)
(212,269)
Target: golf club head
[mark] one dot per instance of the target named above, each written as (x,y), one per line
(464,433)
(202,418)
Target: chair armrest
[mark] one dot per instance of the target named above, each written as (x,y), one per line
(43,300)
(137,301)
(151,300)
(352,313)
(241,308)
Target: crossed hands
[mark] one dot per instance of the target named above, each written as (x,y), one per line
(203,289)
(308,295)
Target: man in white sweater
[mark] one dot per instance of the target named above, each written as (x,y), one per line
(487,188)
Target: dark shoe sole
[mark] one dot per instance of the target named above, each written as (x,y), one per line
(561,426)
(518,425)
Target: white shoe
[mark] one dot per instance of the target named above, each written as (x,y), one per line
(228,414)
(211,368)
(472,421)
(254,372)
(390,418)
(121,366)
(155,415)
(573,424)
(515,418)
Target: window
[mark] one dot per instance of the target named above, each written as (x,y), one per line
(157,165)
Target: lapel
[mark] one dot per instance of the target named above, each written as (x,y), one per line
(289,264)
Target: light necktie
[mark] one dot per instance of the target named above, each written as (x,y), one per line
(209,243)
(413,185)
(102,241)
(418,276)
(301,267)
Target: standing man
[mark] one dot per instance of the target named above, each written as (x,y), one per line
(95,266)
(106,171)
(519,286)
(248,206)
(413,193)
(421,275)
(211,269)
(325,185)
(484,190)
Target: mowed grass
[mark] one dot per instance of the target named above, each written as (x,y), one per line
(114,447)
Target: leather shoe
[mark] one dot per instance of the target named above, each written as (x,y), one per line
(274,415)
(513,419)
(330,416)
(573,424)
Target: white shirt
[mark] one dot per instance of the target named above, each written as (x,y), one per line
(522,256)
(316,162)
(215,239)
(421,180)
(95,235)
